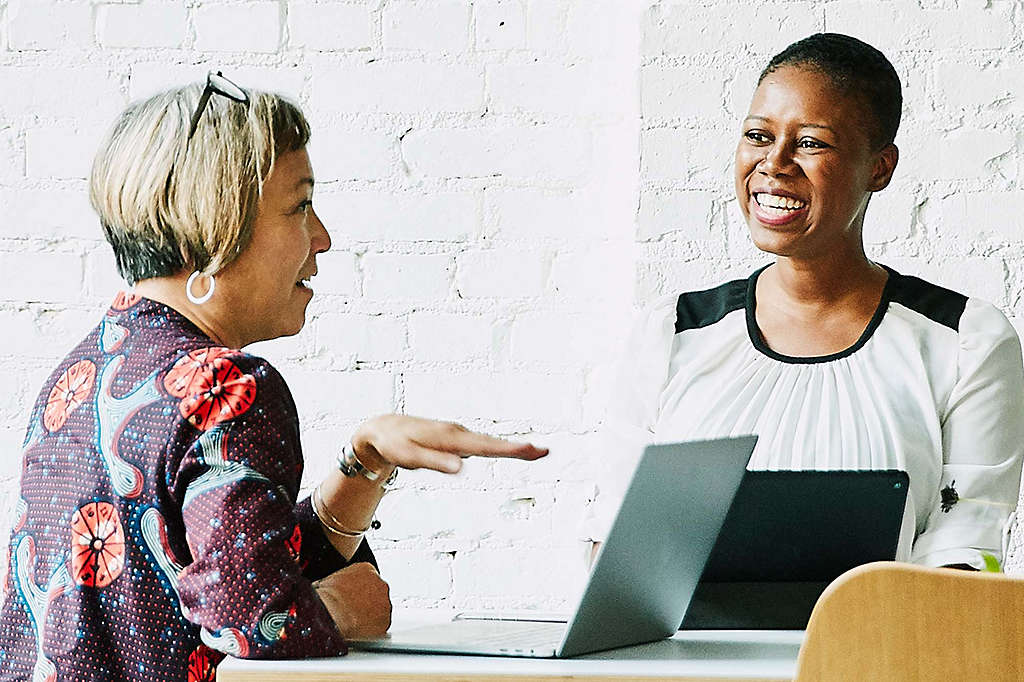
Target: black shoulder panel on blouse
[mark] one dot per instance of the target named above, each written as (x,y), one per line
(934,302)
(696,309)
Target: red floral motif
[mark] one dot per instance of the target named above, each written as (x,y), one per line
(217,394)
(183,375)
(70,391)
(294,543)
(97,544)
(202,664)
(125,300)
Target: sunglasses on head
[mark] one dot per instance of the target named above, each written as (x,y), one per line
(215,83)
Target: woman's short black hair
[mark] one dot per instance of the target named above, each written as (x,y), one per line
(856,69)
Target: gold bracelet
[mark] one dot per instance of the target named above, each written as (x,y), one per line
(337,528)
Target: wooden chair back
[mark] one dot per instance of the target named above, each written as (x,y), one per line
(893,621)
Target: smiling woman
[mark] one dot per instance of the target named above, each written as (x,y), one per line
(159,522)
(834,361)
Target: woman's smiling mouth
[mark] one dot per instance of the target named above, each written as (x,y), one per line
(776,209)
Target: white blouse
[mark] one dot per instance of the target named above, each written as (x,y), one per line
(934,386)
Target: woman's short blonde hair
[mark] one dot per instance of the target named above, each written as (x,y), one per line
(169,204)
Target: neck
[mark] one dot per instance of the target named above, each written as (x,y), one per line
(828,280)
(208,317)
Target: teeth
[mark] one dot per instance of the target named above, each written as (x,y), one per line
(766,200)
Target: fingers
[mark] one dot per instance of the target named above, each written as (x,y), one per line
(417,456)
(458,440)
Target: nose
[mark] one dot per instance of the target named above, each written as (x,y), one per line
(778,159)
(321,238)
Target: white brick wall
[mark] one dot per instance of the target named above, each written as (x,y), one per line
(503,180)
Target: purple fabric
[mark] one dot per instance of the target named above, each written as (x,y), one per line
(157,526)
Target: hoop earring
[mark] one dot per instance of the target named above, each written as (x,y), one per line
(199,300)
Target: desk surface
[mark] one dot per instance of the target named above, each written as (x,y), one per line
(695,655)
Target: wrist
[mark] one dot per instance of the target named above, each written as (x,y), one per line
(369,456)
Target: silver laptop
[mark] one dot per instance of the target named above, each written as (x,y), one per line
(644,576)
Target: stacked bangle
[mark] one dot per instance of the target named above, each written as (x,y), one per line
(350,465)
(334,526)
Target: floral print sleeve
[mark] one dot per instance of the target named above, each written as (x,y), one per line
(236,485)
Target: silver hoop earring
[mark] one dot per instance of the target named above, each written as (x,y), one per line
(199,300)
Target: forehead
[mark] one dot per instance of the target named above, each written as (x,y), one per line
(290,171)
(796,94)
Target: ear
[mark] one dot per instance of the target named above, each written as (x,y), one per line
(885,166)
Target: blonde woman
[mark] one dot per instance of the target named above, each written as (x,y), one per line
(158,523)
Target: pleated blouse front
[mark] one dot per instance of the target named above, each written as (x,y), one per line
(934,386)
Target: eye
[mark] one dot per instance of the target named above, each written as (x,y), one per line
(304,206)
(811,143)
(757,137)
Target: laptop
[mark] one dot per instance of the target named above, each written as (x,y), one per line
(667,523)
(787,536)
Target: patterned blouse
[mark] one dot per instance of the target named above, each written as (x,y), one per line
(157,526)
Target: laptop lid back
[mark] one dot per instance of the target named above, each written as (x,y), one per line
(648,567)
(789,534)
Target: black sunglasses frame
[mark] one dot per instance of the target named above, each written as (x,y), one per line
(216,83)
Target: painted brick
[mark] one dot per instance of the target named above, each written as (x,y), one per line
(148,25)
(399,87)
(687,213)
(415,277)
(546,25)
(47,213)
(540,152)
(252,27)
(501,274)
(449,337)
(593,274)
(59,152)
(973,153)
(361,338)
(995,214)
(43,277)
(521,214)
(368,216)
(891,27)
(330,27)
(500,24)
(337,273)
(415,574)
(558,339)
(700,155)
(96,94)
(966,86)
(12,155)
(890,216)
(689,28)
(339,154)
(149,78)
(329,396)
(545,88)
(534,579)
(49,25)
(435,27)
(681,93)
(102,280)
(544,398)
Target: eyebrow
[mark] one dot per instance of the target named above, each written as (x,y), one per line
(305,181)
(802,125)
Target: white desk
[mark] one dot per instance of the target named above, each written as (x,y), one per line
(718,656)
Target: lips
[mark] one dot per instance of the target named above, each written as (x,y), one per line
(303,282)
(777,207)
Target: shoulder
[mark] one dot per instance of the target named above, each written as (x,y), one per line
(217,384)
(940,305)
(698,309)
